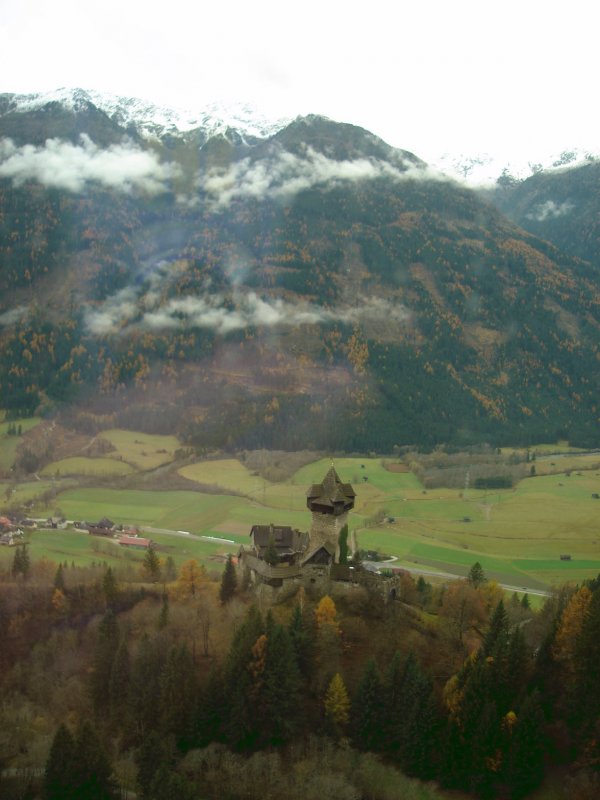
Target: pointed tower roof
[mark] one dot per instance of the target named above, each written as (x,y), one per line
(331,496)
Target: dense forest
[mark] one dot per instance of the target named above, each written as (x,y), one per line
(395,307)
(178,685)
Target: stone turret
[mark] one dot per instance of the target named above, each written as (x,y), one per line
(329,501)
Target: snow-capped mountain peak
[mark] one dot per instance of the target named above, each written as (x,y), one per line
(484,169)
(154,121)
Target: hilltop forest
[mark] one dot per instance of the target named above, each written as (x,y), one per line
(176,685)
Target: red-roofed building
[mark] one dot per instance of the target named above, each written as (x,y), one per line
(135,541)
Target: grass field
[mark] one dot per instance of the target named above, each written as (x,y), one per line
(141,450)
(87,466)
(9,444)
(31,491)
(518,535)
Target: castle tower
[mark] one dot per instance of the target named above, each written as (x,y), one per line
(329,501)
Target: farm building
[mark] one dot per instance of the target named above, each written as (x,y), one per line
(135,541)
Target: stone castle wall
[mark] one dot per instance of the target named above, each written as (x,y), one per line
(325,529)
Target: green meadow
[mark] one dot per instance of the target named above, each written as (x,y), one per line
(518,535)
(79,465)
(9,444)
(142,450)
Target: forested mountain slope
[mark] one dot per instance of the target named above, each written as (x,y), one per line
(313,287)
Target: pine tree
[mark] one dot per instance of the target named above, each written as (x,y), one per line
(271,554)
(368,711)
(240,723)
(17,565)
(303,641)
(59,579)
(107,642)
(476,576)
(517,667)
(170,571)
(109,588)
(210,717)
(228,582)
(154,755)
(145,687)
(21,563)
(92,773)
(178,695)
(120,680)
(281,697)
(151,565)
(163,617)
(60,766)
(343,545)
(587,674)
(496,639)
(525,763)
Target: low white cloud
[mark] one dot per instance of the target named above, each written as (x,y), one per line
(114,314)
(285,174)
(13,315)
(223,315)
(550,210)
(64,165)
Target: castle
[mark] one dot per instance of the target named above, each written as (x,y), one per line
(279,556)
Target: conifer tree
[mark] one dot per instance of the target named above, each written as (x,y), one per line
(281,697)
(303,642)
(211,702)
(60,766)
(107,642)
(92,772)
(525,761)
(170,571)
(271,554)
(240,723)
(587,673)
(496,639)
(228,582)
(163,617)
(154,753)
(59,579)
(151,565)
(120,680)
(476,576)
(109,588)
(517,667)
(21,563)
(145,687)
(368,711)
(178,695)
(17,564)
(343,545)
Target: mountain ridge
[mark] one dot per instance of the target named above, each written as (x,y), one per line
(313,288)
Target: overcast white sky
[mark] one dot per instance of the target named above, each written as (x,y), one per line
(511,78)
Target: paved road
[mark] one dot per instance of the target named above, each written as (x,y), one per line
(375,565)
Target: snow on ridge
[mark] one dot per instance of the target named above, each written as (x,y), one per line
(154,121)
(484,169)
